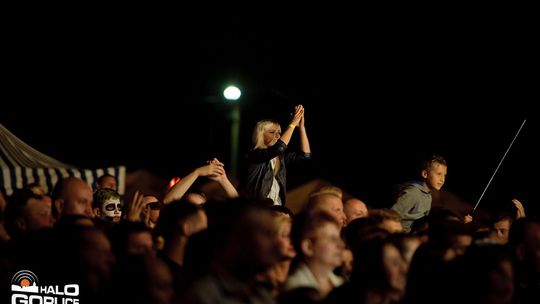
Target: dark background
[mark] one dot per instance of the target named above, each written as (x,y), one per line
(377,100)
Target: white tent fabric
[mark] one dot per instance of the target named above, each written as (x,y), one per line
(22,165)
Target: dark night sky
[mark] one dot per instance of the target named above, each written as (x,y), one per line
(462,94)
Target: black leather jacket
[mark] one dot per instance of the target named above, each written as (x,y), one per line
(260,173)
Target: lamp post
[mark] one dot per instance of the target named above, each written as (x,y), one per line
(232,94)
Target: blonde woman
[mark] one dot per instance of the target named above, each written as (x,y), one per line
(275,276)
(266,173)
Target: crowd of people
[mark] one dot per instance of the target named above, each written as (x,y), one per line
(183,246)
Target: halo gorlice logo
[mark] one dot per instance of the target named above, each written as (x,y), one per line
(25,281)
(25,289)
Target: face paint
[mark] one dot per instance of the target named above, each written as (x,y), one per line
(112,210)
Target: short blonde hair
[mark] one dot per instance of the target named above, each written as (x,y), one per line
(328,190)
(428,163)
(279,220)
(260,127)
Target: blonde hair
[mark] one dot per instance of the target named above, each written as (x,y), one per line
(279,220)
(258,132)
(332,190)
(428,163)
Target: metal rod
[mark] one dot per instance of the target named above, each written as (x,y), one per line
(510,146)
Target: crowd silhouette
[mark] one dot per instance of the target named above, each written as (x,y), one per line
(248,247)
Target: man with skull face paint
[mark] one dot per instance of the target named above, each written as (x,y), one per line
(108,205)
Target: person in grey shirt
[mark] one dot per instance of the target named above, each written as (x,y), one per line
(414,198)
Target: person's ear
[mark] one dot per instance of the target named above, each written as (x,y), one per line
(97,212)
(424,173)
(307,247)
(145,210)
(59,206)
(186,228)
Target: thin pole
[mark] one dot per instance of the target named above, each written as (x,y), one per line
(235,135)
(510,146)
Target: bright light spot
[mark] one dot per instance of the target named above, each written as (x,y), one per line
(174,181)
(232,93)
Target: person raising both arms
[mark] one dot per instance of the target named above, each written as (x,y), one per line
(267,160)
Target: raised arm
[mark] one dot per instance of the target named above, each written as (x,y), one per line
(520,208)
(133,209)
(295,121)
(224,182)
(304,142)
(178,190)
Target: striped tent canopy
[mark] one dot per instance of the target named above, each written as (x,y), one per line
(22,165)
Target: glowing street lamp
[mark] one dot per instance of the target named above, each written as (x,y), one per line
(232,93)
